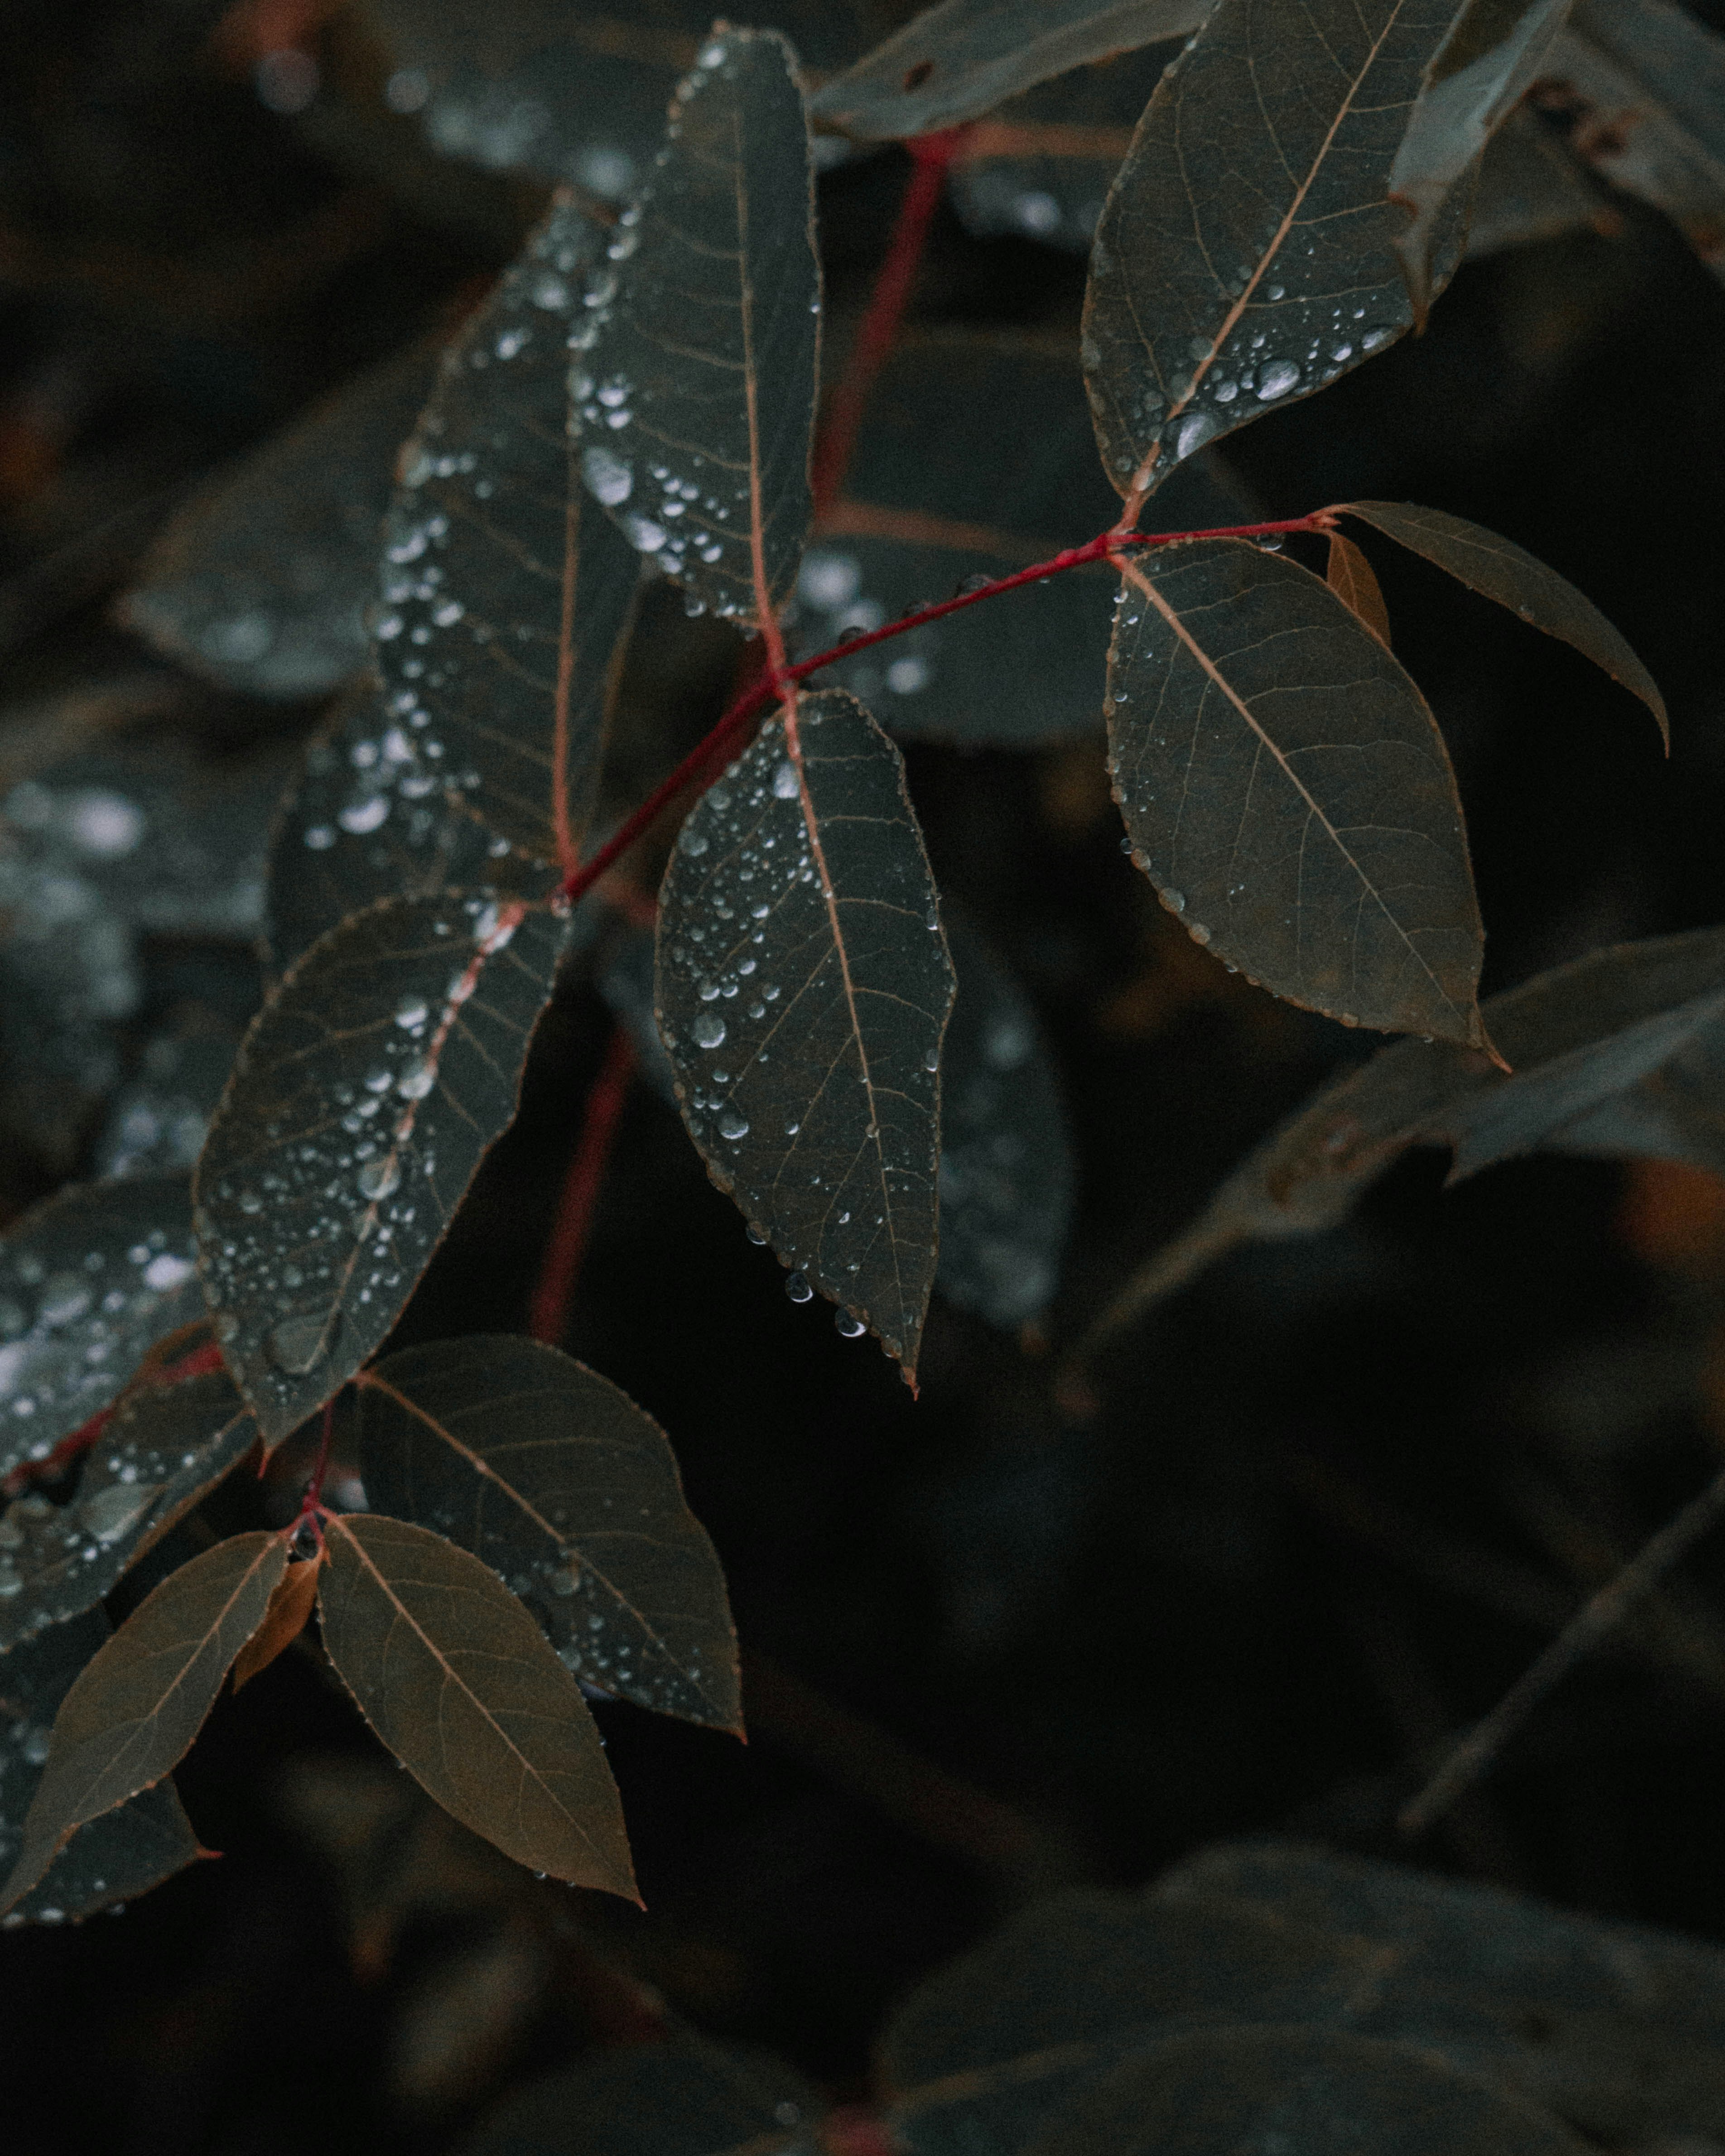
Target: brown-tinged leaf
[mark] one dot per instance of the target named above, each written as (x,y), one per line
(505,593)
(460,1683)
(1287,790)
(956,61)
(89,1280)
(1247,252)
(695,379)
(570,1493)
(284,1620)
(132,1714)
(166,1449)
(363,1101)
(261,582)
(1349,575)
(1498,569)
(112,1859)
(802,990)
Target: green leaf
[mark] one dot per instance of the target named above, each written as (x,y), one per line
(1498,569)
(89,1281)
(958,60)
(1287,791)
(458,1680)
(696,378)
(112,1859)
(166,1449)
(363,1101)
(803,989)
(570,1493)
(506,594)
(1531,187)
(132,1714)
(261,582)
(1247,252)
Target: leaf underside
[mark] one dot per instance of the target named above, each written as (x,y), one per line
(568,1490)
(460,1684)
(290,1608)
(1350,576)
(803,989)
(1287,790)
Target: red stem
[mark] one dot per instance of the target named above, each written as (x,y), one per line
(311,1504)
(197,1364)
(548,1315)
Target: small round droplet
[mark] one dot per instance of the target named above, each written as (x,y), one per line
(709,1029)
(412,1011)
(756,1235)
(734,1124)
(379,1176)
(852,1327)
(785,781)
(798,1289)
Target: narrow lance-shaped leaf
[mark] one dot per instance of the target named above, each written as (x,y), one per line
(291,1606)
(570,1493)
(1287,790)
(1349,575)
(958,60)
(694,380)
(1247,252)
(803,987)
(166,1449)
(1498,569)
(460,1684)
(363,1101)
(130,1716)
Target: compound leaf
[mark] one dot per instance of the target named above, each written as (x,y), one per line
(802,990)
(1287,791)
(1349,575)
(363,1099)
(130,1715)
(459,1682)
(1498,569)
(695,379)
(289,1609)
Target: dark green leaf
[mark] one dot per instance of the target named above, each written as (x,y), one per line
(132,1714)
(458,1680)
(89,1280)
(165,1449)
(507,595)
(570,1493)
(958,60)
(1247,253)
(804,987)
(1532,188)
(695,379)
(1287,791)
(1498,569)
(363,1099)
(122,1854)
(262,582)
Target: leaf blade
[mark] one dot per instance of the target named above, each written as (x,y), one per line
(289,1607)
(1350,576)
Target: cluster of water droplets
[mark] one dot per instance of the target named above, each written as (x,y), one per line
(831,604)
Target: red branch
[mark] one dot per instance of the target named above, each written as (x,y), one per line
(197,1364)
(548,1315)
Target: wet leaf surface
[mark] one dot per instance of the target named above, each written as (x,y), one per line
(363,1101)
(89,1279)
(505,592)
(570,1493)
(1247,253)
(1349,575)
(123,1853)
(802,990)
(694,380)
(956,61)
(132,1714)
(460,1683)
(1498,569)
(163,1451)
(1287,790)
(261,582)
(291,1606)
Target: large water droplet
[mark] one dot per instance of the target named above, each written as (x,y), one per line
(608,479)
(297,1345)
(709,1029)
(733,1124)
(798,1289)
(1276,378)
(851,1326)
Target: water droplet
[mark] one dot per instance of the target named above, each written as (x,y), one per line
(709,1029)
(851,1326)
(931,1059)
(1276,378)
(1193,431)
(733,1124)
(297,1345)
(412,1011)
(379,1176)
(1174,901)
(608,479)
(691,842)
(756,1235)
(785,781)
(798,1289)
(416,1081)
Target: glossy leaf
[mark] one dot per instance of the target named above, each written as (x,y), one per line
(1349,576)
(956,61)
(89,1281)
(363,1099)
(458,1680)
(1287,790)
(570,1493)
(289,1609)
(1247,253)
(123,1853)
(695,379)
(130,1715)
(165,1449)
(803,989)
(505,593)
(261,582)
(1498,569)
